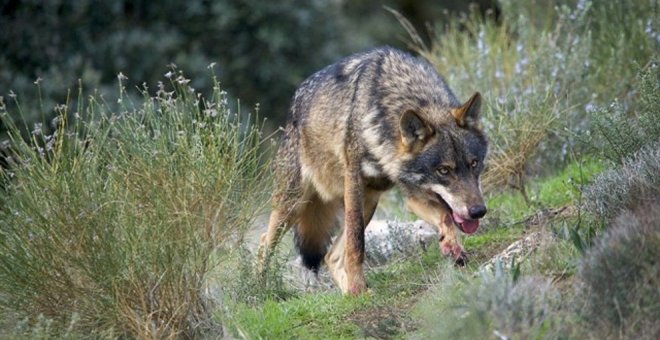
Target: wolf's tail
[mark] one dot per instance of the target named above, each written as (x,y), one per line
(312,249)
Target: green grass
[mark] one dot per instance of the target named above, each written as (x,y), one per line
(312,317)
(508,211)
(111,224)
(381,312)
(483,246)
(555,191)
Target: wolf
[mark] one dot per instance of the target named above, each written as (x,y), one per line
(359,127)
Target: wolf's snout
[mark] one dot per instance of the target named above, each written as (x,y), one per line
(477,211)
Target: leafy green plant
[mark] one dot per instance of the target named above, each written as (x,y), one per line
(112,223)
(619,132)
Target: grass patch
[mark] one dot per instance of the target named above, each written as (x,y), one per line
(483,246)
(560,189)
(110,225)
(312,317)
(382,312)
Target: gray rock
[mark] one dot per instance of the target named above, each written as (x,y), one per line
(387,239)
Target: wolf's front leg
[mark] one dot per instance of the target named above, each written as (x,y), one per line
(344,261)
(440,217)
(335,259)
(354,225)
(449,241)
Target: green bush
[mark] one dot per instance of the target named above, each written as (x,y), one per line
(621,276)
(494,304)
(111,224)
(620,271)
(620,132)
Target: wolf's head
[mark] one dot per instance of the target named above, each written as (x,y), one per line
(444,160)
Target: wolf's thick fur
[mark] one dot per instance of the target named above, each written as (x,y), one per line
(356,129)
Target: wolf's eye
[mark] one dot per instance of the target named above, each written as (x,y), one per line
(443,170)
(474,163)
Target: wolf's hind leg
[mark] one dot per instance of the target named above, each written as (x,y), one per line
(279,223)
(314,231)
(288,196)
(288,202)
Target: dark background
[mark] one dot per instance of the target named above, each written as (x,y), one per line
(262,49)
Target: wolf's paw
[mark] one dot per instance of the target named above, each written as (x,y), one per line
(357,287)
(455,251)
(461,260)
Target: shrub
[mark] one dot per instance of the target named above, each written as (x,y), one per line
(494,304)
(633,183)
(620,132)
(621,276)
(111,224)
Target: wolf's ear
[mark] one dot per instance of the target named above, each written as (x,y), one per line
(414,131)
(468,114)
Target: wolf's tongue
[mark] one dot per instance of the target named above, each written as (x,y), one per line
(468,226)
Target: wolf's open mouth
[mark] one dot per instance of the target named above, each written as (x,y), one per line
(467,226)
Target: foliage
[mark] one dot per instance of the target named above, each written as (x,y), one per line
(540,70)
(260,48)
(620,270)
(621,275)
(633,183)
(460,307)
(619,132)
(560,189)
(111,224)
